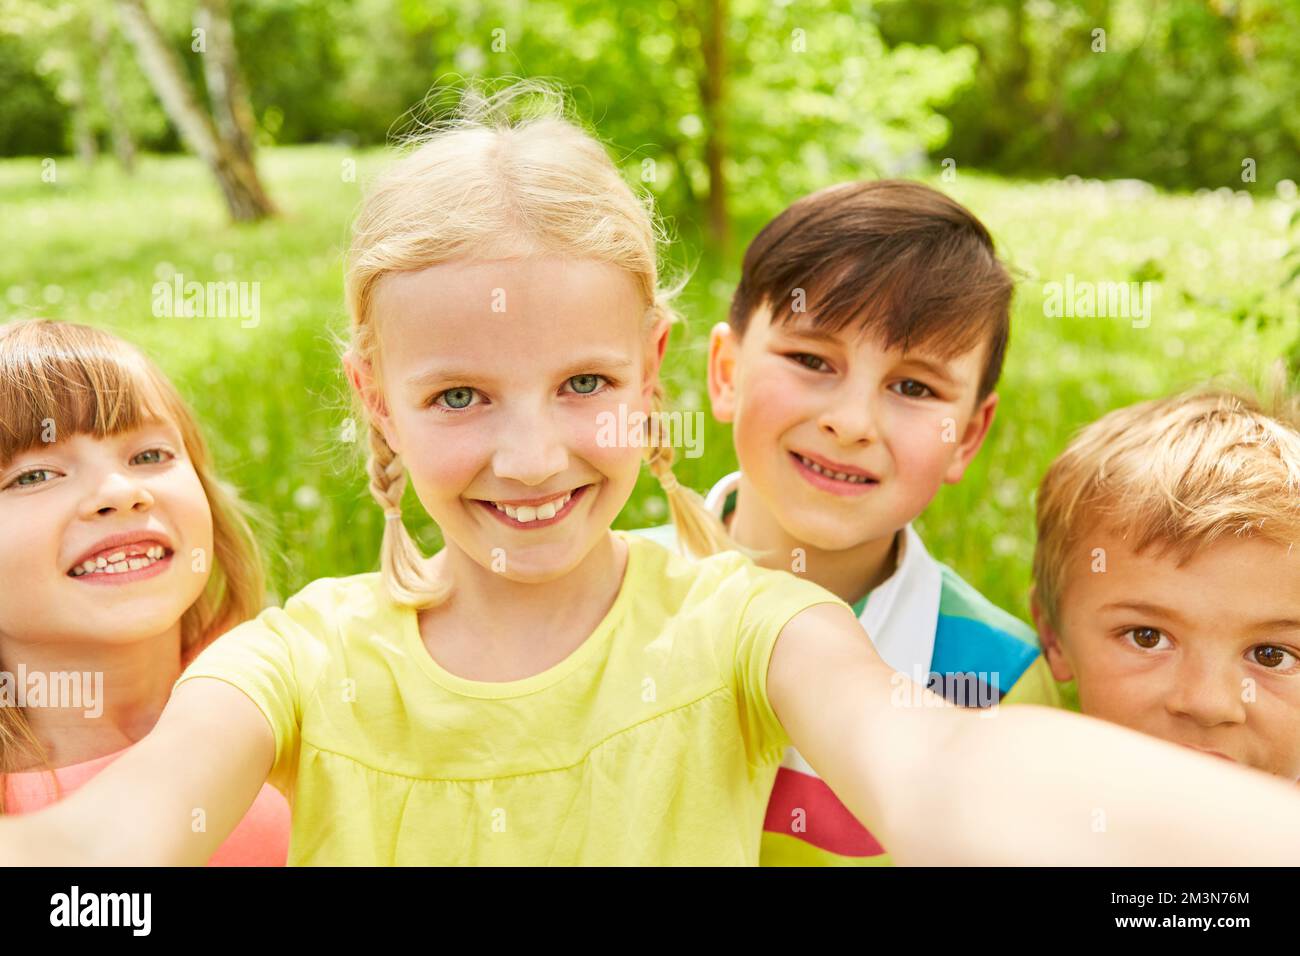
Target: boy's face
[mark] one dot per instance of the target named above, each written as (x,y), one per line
(897,425)
(1206,655)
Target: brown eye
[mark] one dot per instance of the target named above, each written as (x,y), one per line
(1147,637)
(911,388)
(1269,656)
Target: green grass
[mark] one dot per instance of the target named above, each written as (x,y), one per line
(90,246)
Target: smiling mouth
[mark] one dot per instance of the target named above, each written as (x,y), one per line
(538,515)
(831,474)
(121,560)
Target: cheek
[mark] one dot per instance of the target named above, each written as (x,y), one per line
(193,508)
(916,440)
(1117,686)
(771,401)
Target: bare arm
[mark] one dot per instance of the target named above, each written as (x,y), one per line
(1019,785)
(210,751)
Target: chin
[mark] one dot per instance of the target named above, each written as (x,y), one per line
(826,537)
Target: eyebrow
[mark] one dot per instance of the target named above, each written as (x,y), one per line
(1141,607)
(940,372)
(597,362)
(936,369)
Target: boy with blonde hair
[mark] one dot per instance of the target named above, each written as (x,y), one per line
(1167,574)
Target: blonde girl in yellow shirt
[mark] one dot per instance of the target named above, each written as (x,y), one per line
(545,690)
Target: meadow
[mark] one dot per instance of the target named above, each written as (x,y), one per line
(91,245)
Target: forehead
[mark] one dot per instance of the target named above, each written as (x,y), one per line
(488,309)
(1226,581)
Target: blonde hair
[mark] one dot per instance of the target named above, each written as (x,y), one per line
(508,175)
(63,379)
(1179,473)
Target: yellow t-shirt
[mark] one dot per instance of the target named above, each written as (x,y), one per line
(653,743)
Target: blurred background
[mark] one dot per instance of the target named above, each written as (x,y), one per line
(149,142)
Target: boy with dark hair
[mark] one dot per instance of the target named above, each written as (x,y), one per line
(858,370)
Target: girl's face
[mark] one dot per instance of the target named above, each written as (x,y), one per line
(496,377)
(102,540)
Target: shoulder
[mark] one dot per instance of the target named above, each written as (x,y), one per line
(975,635)
(664,535)
(309,624)
(960,599)
(723,584)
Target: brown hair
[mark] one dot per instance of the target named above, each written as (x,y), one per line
(891,256)
(1178,473)
(66,379)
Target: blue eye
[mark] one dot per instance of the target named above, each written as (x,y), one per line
(585,384)
(460,397)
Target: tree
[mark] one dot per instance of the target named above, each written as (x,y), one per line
(223,144)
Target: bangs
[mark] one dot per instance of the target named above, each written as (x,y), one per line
(909,301)
(59,380)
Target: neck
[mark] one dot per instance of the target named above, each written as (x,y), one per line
(120,691)
(496,629)
(848,574)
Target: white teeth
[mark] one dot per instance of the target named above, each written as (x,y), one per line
(526,513)
(837,475)
(119,562)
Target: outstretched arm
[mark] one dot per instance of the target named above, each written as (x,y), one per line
(1018,785)
(210,751)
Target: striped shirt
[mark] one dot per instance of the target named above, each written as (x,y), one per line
(928,623)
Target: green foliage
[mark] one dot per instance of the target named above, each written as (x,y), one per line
(1181,94)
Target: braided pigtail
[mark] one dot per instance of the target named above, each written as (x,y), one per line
(699,530)
(404,568)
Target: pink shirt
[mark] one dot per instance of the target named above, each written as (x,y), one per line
(261,839)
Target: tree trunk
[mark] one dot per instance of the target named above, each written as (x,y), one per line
(235,174)
(123,142)
(226,92)
(712,94)
(83,130)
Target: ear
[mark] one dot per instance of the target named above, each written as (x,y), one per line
(977,429)
(362,379)
(723,347)
(1051,641)
(655,357)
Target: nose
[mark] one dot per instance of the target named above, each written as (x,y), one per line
(117,492)
(532,449)
(1207,692)
(850,416)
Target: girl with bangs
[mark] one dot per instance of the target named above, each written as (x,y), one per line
(546,690)
(122,556)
